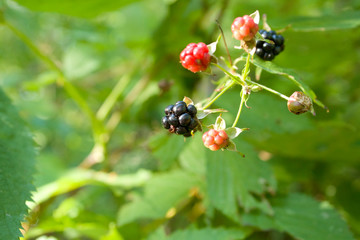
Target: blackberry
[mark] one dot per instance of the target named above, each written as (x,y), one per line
(215,139)
(244,28)
(268,51)
(195,57)
(180,119)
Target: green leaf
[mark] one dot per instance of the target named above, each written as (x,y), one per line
(80,60)
(344,20)
(161,193)
(44,79)
(17,166)
(212,46)
(166,148)
(188,101)
(158,234)
(233,132)
(210,233)
(232,147)
(220,123)
(202,113)
(220,183)
(304,218)
(193,157)
(256,16)
(325,141)
(113,233)
(76,8)
(232,179)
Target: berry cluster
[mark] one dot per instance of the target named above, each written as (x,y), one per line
(195,57)
(215,140)
(244,28)
(180,119)
(268,51)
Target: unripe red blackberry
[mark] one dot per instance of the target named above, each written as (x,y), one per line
(215,139)
(195,57)
(299,103)
(244,28)
(180,118)
(268,51)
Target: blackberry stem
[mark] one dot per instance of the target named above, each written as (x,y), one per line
(240,108)
(245,73)
(226,47)
(234,78)
(111,99)
(269,90)
(219,94)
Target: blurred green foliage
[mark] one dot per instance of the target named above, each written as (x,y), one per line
(107,170)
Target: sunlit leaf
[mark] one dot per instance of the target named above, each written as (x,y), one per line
(202,113)
(210,233)
(166,148)
(159,197)
(317,143)
(231,177)
(79,61)
(304,218)
(233,132)
(212,46)
(256,16)
(220,123)
(330,22)
(159,234)
(113,233)
(192,157)
(188,101)
(76,8)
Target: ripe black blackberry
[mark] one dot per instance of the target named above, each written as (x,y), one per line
(268,51)
(180,118)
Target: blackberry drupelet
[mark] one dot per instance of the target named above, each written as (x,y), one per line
(267,51)
(215,139)
(180,118)
(244,28)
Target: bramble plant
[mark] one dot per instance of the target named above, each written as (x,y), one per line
(266,44)
(83,154)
